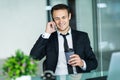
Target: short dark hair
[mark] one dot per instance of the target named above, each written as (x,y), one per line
(60,6)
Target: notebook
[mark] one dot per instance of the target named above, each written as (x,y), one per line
(114,67)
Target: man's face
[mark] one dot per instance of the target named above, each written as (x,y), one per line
(61,19)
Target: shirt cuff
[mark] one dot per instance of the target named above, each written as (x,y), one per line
(46,35)
(84,67)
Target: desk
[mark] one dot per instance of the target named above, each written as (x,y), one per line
(81,76)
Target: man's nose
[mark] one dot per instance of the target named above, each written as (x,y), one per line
(61,20)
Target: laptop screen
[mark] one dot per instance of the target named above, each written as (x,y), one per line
(114,67)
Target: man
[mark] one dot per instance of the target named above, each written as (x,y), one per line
(50,44)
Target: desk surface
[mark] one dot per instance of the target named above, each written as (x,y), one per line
(81,76)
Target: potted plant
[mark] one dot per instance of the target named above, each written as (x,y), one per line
(19,65)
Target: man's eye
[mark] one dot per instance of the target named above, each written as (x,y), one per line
(63,17)
(56,18)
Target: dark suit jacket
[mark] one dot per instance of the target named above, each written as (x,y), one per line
(49,48)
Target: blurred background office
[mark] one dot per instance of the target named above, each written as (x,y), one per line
(22,21)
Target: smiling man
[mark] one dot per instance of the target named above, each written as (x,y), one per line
(53,42)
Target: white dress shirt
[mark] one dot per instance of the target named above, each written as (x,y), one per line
(61,68)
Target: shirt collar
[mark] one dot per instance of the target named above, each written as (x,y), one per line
(67,32)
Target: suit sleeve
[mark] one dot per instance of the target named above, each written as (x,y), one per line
(38,50)
(90,57)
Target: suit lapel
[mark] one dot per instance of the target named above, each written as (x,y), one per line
(74,39)
(56,42)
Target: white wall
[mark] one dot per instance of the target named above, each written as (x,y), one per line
(21,23)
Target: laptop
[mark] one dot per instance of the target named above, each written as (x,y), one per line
(114,68)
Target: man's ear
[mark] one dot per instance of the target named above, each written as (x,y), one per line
(69,16)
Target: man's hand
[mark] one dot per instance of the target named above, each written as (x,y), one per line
(75,60)
(50,28)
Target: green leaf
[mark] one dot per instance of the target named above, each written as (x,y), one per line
(20,64)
